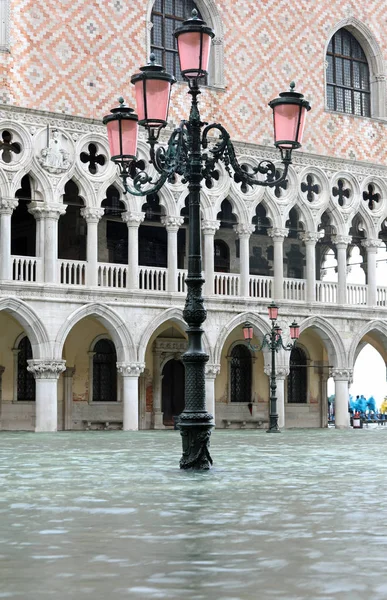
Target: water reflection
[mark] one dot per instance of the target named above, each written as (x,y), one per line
(109,515)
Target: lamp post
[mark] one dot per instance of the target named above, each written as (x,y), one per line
(192,152)
(273,341)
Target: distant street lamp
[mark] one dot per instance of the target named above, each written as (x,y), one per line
(184,156)
(273,341)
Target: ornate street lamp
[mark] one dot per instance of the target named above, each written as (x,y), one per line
(184,156)
(273,341)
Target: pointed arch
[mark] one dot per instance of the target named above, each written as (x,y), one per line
(110,319)
(256,320)
(380,327)
(32,324)
(331,338)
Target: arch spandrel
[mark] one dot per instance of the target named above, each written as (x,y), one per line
(32,324)
(373,333)
(256,320)
(337,354)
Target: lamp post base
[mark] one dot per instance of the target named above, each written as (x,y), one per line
(273,430)
(195,430)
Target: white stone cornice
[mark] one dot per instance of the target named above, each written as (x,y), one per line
(372,244)
(130,369)
(212,370)
(133,219)
(172,223)
(7,206)
(311,237)
(46,369)
(92,214)
(341,374)
(210,227)
(278,233)
(244,229)
(341,240)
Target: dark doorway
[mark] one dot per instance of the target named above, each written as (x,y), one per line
(173,390)
(104,372)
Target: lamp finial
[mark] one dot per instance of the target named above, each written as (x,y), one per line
(292,86)
(194,13)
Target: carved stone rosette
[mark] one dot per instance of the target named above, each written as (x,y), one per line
(130,369)
(46,369)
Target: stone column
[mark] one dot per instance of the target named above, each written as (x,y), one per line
(342,378)
(281,373)
(2,369)
(51,214)
(157,382)
(133,221)
(7,207)
(209,228)
(310,238)
(278,235)
(341,242)
(68,398)
(35,209)
(372,251)
(130,373)
(211,371)
(324,398)
(46,373)
(92,217)
(244,232)
(172,225)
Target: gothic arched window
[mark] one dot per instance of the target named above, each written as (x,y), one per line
(104,372)
(168,15)
(25,379)
(221,257)
(241,370)
(348,76)
(297,378)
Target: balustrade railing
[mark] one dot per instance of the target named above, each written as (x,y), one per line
(181,275)
(294,289)
(356,294)
(72,272)
(260,286)
(381,296)
(112,275)
(25,268)
(226,284)
(152,279)
(326,292)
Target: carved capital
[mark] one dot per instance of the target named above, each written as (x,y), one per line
(280,372)
(41,210)
(130,369)
(91,214)
(7,206)
(133,219)
(372,244)
(341,241)
(172,223)
(341,374)
(278,233)
(244,229)
(210,227)
(311,237)
(211,371)
(46,369)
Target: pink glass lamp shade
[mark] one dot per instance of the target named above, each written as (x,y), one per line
(289,112)
(278,331)
(294,331)
(194,44)
(248,332)
(273,311)
(122,130)
(153,91)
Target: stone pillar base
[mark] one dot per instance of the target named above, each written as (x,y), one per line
(158,420)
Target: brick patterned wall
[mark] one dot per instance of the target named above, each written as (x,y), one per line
(77,56)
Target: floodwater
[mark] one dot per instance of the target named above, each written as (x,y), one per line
(109,515)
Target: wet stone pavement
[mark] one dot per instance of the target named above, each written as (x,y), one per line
(109,515)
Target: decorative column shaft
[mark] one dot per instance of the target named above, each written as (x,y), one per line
(209,229)
(92,217)
(211,372)
(310,238)
(244,232)
(46,373)
(35,210)
(342,377)
(372,251)
(278,235)
(68,398)
(50,214)
(341,242)
(6,209)
(133,221)
(172,225)
(130,373)
(157,379)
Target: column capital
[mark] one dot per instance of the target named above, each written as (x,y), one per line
(343,374)
(341,241)
(310,237)
(211,371)
(133,219)
(278,233)
(41,210)
(244,229)
(8,205)
(92,214)
(210,227)
(280,372)
(172,223)
(130,369)
(46,369)
(372,245)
